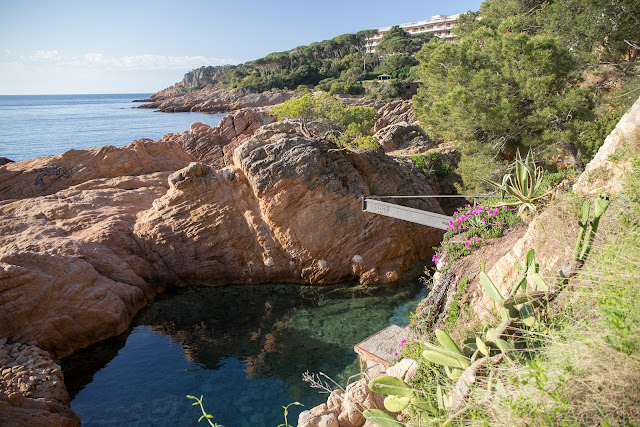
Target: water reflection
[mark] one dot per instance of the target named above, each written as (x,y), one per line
(244,347)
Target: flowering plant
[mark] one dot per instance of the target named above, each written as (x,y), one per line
(470,227)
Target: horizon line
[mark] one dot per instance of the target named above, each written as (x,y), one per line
(80,93)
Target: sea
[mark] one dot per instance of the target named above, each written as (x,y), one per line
(41,125)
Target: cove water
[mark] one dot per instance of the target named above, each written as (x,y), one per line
(244,348)
(41,125)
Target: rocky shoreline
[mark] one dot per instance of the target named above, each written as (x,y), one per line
(90,236)
(33,391)
(211,99)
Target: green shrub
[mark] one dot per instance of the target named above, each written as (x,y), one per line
(477,164)
(432,164)
(325,117)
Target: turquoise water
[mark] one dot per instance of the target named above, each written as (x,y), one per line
(40,125)
(244,348)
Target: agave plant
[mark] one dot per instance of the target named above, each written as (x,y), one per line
(523,184)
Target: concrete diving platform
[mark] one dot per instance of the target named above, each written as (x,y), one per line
(380,347)
(418,216)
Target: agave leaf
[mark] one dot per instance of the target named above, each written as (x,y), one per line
(519,267)
(381,418)
(445,340)
(396,403)
(522,282)
(601,206)
(490,288)
(391,386)
(531,254)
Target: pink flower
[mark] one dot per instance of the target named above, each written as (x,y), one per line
(420,308)
(466,244)
(482,235)
(430,302)
(396,354)
(435,259)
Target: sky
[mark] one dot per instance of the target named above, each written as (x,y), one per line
(141,46)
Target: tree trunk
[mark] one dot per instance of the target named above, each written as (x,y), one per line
(573,153)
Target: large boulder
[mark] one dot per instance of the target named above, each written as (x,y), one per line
(215,145)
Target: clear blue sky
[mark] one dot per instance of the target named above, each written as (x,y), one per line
(113,46)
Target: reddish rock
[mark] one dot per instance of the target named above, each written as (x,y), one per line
(34,394)
(48,175)
(215,146)
(395,112)
(211,99)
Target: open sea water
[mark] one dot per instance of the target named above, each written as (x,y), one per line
(41,125)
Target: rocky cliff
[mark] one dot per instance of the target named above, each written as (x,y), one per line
(211,99)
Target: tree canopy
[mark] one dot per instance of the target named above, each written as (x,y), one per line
(325,117)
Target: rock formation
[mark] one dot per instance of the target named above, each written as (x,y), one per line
(32,390)
(215,145)
(89,236)
(344,409)
(398,131)
(395,112)
(211,99)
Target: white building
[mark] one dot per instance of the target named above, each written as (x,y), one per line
(438,25)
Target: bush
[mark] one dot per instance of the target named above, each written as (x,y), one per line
(432,164)
(470,228)
(477,163)
(325,117)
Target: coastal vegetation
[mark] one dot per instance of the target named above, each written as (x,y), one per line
(325,117)
(337,66)
(550,76)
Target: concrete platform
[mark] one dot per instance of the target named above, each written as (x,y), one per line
(381,346)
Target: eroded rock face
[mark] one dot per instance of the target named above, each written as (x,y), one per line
(80,256)
(289,212)
(32,390)
(48,175)
(211,99)
(404,137)
(395,112)
(215,145)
